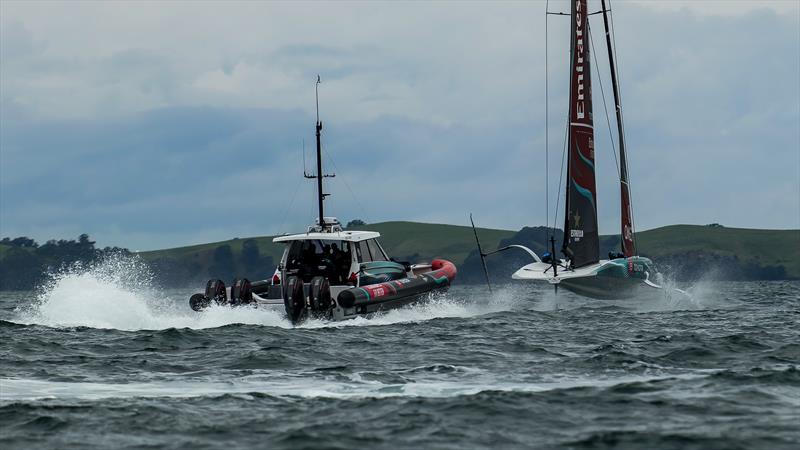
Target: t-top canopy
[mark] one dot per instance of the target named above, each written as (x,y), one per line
(349,236)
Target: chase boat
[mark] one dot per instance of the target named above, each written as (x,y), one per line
(331,273)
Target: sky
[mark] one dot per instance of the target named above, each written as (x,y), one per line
(160,124)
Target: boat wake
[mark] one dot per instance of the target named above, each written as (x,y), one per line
(700,295)
(118,294)
(305,386)
(439,306)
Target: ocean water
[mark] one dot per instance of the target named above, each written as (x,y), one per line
(98,359)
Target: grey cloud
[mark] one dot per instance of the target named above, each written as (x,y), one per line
(158,135)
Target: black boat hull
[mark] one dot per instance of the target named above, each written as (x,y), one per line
(302,300)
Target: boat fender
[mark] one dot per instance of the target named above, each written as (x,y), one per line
(215,290)
(241,292)
(321,302)
(440,276)
(199,302)
(294,300)
(442,267)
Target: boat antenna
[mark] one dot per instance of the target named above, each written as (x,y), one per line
(319,176)
(480,252)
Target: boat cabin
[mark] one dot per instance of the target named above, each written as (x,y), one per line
(343,257)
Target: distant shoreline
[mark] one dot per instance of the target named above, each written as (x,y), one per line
(687,251)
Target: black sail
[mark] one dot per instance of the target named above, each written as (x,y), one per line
(581,240)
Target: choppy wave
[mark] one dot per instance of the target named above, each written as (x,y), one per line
(117,294)
(286,384)
(101,356)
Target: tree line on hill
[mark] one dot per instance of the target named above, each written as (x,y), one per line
(24,264)
(223,263)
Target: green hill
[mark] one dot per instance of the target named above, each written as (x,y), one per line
(685,250)
(399,239)
(762,247)
(686,245)
(413,240)
(403,240)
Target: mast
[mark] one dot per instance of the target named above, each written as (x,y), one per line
(320,195)
(319,176)
(581,240)
(626,220)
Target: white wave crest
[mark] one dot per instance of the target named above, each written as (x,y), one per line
(453,304)
(293,385)
(117,293)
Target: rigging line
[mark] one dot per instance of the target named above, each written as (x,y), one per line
(605,107)
(561,171)
(613,33)
(561,175)
(619,93)
(546,128)
(288,208)
(344,179)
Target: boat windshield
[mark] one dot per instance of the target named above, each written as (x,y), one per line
(369,250)
(314,257)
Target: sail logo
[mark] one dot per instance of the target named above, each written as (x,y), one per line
(579,103)
(576,233)
(628,233)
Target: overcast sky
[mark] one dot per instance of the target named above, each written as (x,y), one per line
(159,124)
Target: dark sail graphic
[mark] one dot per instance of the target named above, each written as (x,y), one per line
(581,243)
(628,247)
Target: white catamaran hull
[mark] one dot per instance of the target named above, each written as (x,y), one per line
(622,278)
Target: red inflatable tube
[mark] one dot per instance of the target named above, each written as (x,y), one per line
(440,276)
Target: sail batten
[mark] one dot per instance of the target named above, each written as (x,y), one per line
(581,240)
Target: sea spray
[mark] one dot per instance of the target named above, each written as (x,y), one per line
(103,294)
(438,306)
(119,293)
